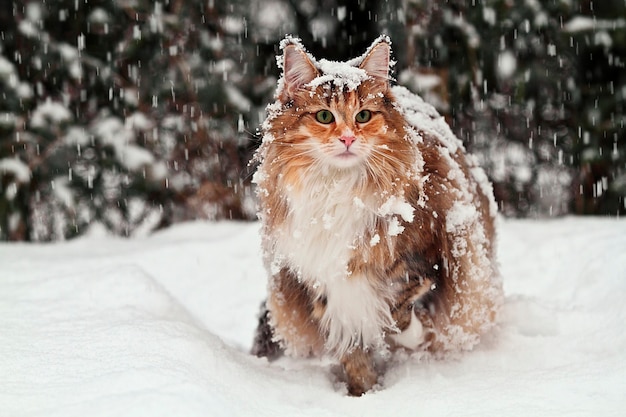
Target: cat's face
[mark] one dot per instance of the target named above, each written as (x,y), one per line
(337,115)
(342,129)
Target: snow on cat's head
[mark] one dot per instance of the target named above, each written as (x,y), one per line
(311,73)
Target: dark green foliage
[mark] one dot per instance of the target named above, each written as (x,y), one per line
(126,113)
(135,114)
(531,94)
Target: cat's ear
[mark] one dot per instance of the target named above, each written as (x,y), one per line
(376,63)
(297,68)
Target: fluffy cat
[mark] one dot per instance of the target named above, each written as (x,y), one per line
(377,228)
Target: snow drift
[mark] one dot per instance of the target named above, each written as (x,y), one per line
(161,326)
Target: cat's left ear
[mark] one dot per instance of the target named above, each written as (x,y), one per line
(376,63)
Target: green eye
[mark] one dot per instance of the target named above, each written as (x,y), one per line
(325,117)
(363,116)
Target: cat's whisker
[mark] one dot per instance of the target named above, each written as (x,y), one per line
(382,163)
(376,175)
(385,156)
(291,144)
(301,149)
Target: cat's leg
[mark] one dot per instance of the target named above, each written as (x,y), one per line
(292,318)
(359,370)
(415,325)
(410,320)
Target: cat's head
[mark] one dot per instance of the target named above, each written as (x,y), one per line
(337,116)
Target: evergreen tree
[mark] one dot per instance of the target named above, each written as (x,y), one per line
(130,114)
(521,84)
(501,69)
(138,114)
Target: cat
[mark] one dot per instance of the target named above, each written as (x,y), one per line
(377,229)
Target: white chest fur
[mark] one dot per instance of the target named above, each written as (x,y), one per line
(324,228)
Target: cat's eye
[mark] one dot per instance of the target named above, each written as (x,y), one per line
(325,117)
(363,116)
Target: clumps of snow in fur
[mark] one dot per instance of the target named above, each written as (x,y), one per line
(424,117)
(394,228)
(396,205)
(340,74)
(459,219)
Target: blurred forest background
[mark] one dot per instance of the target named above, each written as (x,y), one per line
(138,114)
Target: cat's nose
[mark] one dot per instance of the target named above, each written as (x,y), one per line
(347,140)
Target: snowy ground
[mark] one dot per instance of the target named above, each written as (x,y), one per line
(160,326)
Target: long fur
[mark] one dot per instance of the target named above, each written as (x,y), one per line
(361,241)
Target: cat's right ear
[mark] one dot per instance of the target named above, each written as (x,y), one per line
(298,70)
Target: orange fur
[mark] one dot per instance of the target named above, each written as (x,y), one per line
(360,234)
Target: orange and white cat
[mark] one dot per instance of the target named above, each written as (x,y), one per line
(378,229)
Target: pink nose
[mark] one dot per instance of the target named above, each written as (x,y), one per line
(347,140)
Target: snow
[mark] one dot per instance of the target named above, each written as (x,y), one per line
(112,131)
(490,16)
(395,205)
(139,121)
(15,166)
(71,58)
(77,136)
(339,73)
(507,64)
(424,117)
(585,23)
(233,25)
(237,99)
(461,215)
(272,19)
(7,69)
(99,15)
(28,29)
(161,326)
(48,113)
(426,84)
(342,74)
(322,27)
(394,228)
(418,81)
(7,120)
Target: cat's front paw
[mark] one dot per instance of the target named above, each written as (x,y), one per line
(361,384)
(359,372)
